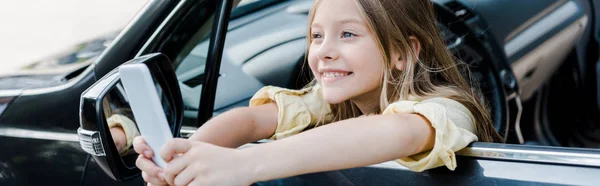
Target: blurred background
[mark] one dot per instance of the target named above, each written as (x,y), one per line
(33,30)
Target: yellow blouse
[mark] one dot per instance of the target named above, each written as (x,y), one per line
(128,125)
(452,121)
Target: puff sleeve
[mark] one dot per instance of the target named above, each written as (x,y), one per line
(298,109)
(454,129)
(128,125)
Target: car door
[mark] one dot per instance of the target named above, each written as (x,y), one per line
(478,164)
(204,96)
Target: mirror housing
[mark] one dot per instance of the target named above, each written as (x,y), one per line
(94,134)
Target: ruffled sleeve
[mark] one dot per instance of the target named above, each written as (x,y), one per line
(454,130)
(298,109)
(129,127)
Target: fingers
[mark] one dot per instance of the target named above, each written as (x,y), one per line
(185,177)
(152,180)
(174,147)
(175,167)
(150,172)
(141,147)
(146,165)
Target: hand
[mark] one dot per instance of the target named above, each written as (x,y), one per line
(150,172)
(198,163)
(118,136)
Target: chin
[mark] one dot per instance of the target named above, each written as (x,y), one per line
(334,97)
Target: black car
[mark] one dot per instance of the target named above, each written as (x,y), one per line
(536,62)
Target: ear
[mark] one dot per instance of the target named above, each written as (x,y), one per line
(398,59)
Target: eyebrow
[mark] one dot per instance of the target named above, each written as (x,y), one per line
(342,22)
(349,21)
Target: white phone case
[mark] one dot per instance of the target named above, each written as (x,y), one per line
(147,108)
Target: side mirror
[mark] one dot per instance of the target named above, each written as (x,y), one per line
(106,102)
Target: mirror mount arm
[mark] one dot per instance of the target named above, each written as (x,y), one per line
(215,53)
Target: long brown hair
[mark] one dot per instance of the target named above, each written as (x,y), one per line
(433,73)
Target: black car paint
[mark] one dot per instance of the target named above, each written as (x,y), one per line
(215,54)
(31,161)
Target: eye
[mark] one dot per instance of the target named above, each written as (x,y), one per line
(348,34)
(316,36)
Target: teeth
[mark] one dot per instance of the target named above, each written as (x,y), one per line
(333,74)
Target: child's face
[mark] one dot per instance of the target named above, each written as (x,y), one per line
(344,55)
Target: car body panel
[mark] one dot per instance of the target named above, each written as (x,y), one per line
(35,155)
(478,164)
(31,159)
(42,137)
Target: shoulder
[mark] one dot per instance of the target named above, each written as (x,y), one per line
(453,125)
(436,108)
(454,110)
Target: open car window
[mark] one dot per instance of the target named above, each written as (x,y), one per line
(234,83)
(266,47)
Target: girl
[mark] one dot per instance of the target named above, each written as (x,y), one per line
(386,88)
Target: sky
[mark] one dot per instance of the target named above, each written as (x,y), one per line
(31,30)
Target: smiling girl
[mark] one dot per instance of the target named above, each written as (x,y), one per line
(386,88)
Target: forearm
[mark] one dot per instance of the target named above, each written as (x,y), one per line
(230,129)
(238,126)
(345,144)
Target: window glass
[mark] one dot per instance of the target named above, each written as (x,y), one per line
(235,84)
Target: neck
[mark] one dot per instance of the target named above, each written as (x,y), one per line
(369,102)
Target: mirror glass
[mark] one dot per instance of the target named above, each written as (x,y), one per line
(121,121)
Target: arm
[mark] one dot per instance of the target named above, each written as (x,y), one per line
(240,126)
(349,143)
(122,130)
(119,137)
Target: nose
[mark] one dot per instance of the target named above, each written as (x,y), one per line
(328,50)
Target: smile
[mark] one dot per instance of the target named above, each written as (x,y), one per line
(335,74)
(331,77)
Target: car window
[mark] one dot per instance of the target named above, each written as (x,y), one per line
(234,84)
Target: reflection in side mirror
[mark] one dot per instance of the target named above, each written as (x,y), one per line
(107,122)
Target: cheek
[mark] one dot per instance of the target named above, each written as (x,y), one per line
(313,63)
(369,77)
(367,61)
